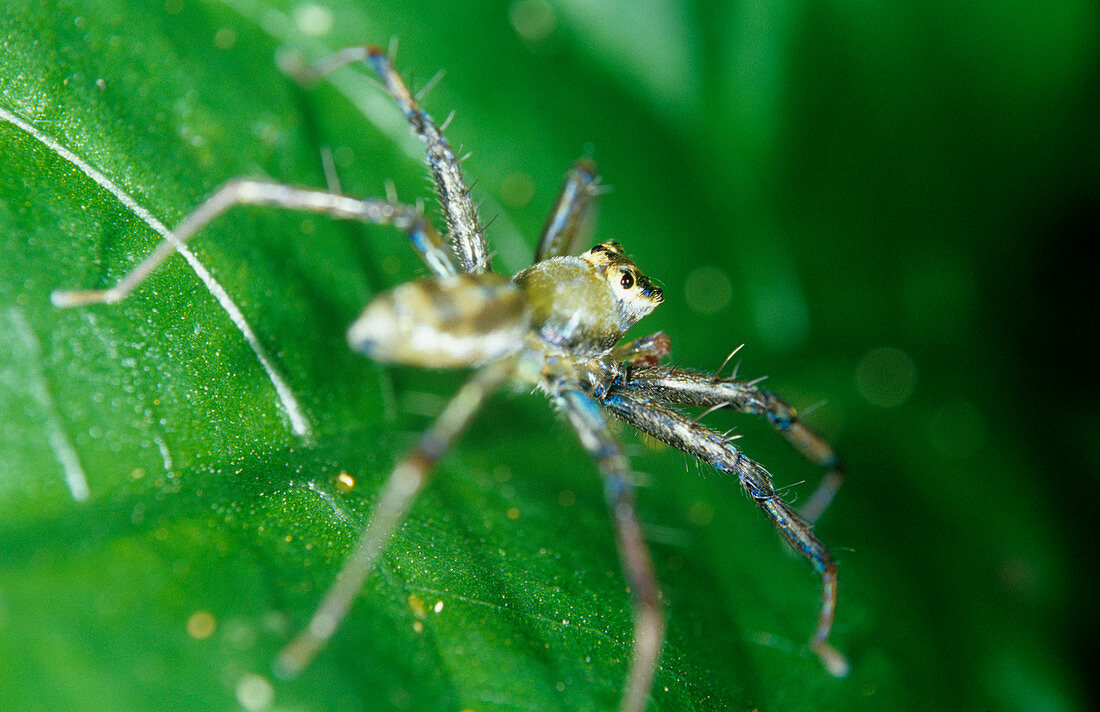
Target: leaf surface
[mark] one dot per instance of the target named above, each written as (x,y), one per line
(210,416)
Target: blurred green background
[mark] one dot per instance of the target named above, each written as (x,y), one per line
(887,202)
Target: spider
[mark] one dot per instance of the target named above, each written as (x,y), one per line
(557,325)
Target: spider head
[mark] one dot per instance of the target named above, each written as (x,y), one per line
(585,304)
(635,293)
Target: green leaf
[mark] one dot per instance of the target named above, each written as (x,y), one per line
(173,468)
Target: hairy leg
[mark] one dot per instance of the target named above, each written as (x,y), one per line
(463,222)
(678,386)
(245,191)
(679,431)
(408,478)
(586,418)
(570,223)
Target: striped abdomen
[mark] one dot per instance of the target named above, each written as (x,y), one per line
(443,322)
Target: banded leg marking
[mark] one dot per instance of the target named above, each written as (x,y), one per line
(677,386)
(397,495)
(679,431)
(585,416)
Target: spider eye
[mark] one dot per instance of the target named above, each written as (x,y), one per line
(598,248)
(627,281)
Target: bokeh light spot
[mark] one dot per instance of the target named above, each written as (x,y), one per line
(886,376)
(707,290)
(533,20)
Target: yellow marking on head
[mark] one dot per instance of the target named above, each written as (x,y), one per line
(635,292)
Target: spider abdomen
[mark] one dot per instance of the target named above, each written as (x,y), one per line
(443,322)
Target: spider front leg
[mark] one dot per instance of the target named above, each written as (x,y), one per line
(397,495)
(677,386)
(463,222)
(584,415)
(245,191)
(683,433)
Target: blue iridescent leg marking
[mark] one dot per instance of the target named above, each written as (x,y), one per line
(683,433)
(676,386)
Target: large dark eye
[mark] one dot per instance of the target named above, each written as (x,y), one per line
(627,281)
(598,248)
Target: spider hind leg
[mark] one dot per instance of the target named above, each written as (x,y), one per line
(247,191)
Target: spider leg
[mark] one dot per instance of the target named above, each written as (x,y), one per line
(649,623)
(397,495)
(679,431)
(677,386)
(245,191)
(571,222)
(463,222)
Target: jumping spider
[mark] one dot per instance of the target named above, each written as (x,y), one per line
(557,325)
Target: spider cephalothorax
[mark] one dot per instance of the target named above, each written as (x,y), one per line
(585,304)
(556,325)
